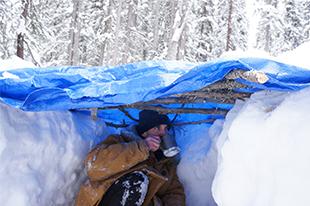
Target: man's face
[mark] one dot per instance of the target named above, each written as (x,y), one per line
(160,131)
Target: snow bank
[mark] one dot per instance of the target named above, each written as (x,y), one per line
(15,63)
(199,161)
(264,152)
(258,156)
(197,167)
(41,155)
(298,56)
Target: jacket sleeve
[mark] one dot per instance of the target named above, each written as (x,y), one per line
(112,157)
(174,196)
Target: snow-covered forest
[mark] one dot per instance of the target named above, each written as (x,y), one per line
(111,32)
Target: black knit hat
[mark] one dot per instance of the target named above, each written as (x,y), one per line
(149,119)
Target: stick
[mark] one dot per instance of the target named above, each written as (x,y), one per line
(110,124)
(194,122)
(127,114)
(164,110)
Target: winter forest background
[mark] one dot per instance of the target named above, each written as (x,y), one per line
(111,32)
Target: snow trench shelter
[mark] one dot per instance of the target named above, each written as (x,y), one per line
(190,93)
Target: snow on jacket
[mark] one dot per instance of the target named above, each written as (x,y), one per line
(122,154)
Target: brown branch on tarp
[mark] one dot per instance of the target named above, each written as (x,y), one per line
(216,97)
(193,122)
(229,83)
(177,124)
(192,97)
(225,84)
(111,124)
(220,92)
(127,114)
(164,110)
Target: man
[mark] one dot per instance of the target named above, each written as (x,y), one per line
(130,169)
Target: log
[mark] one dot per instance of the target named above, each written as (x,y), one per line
(165,110)
(252,76)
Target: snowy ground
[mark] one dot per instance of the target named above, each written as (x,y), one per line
(15,63)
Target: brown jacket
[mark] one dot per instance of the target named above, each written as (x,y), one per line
(121,154)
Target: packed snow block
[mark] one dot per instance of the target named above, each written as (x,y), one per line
(41,155)
(263,151)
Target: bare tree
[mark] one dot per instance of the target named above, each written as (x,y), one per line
(229,25)
(177,31)
(21,35)
(107,27)
(131,47)
(75,34)
(156,10)
(271,29)
(117,31)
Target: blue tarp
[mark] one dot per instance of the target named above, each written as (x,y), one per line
(64,88)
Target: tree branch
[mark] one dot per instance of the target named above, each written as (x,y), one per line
(177,124)
(111,124)
(31,54)
(127,114)
(219,92)
(194,122)
(164,110)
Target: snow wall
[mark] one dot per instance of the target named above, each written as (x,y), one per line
(41,155)
(42,147)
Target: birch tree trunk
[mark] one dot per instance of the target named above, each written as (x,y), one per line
(75,34)
(156,14)
(116,51)
(182,43)
(267,39)
(229,26)
(131,44)
(107,28)
(178,28)
(268,34)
